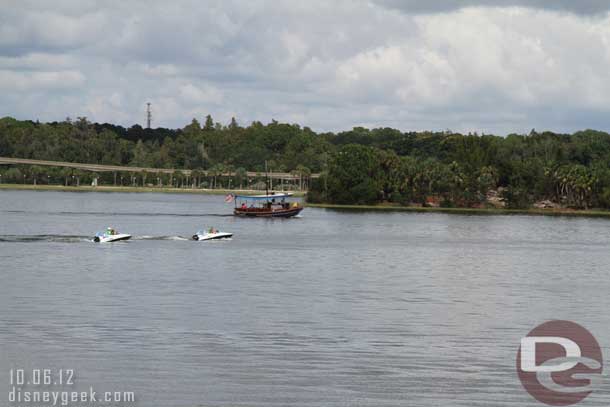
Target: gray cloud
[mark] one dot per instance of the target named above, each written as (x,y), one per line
(327,65)
(584,7)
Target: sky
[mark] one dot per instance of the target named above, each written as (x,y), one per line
(465,65)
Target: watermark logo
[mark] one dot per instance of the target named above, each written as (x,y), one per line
(559,363)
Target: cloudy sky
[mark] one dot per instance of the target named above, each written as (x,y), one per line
(488,66)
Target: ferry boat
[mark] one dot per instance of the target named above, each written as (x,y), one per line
(274,205)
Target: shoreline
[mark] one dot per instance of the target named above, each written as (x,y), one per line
(592,213)
(108,189)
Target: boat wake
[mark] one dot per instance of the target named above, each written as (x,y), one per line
(123,213)
(74,238)
(45,238)
(179,238)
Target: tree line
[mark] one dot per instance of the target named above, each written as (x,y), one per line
(362,166)
(456,170)
(212,147)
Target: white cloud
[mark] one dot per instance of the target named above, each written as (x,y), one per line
(327,65)
(106,108)
(196,94)
(12,81)
(160,69)
(36,31)
(582,7)
(37,61)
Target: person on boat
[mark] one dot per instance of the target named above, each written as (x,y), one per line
(244,206)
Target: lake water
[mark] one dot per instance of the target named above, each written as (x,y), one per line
(328,309)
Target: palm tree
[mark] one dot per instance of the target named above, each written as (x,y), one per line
(240,175)
(195,176)
(303,173)
(215,172)
(35,171)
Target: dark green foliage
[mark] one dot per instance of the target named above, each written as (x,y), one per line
(459,170)
(516,197)
(287,145)
(354,175)
(358,166)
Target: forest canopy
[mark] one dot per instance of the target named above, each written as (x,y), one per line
(357,166)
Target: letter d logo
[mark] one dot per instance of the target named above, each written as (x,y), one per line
(528,353)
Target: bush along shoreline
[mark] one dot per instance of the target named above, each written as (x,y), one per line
(479,172)
(358,166)
(593,213)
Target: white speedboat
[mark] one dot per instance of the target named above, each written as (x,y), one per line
(211,235)
(110,235)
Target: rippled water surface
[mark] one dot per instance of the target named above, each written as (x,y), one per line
(328,309)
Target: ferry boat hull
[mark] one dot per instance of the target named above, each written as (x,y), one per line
(267,213)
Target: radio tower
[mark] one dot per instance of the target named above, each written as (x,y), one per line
(148,115)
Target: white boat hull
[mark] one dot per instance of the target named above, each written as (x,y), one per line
(111,238)
(212,236)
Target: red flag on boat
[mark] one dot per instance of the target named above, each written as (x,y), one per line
(229,198)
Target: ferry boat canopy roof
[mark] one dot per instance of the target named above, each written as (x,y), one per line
(266,197)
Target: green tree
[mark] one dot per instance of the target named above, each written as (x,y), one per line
(354,174)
